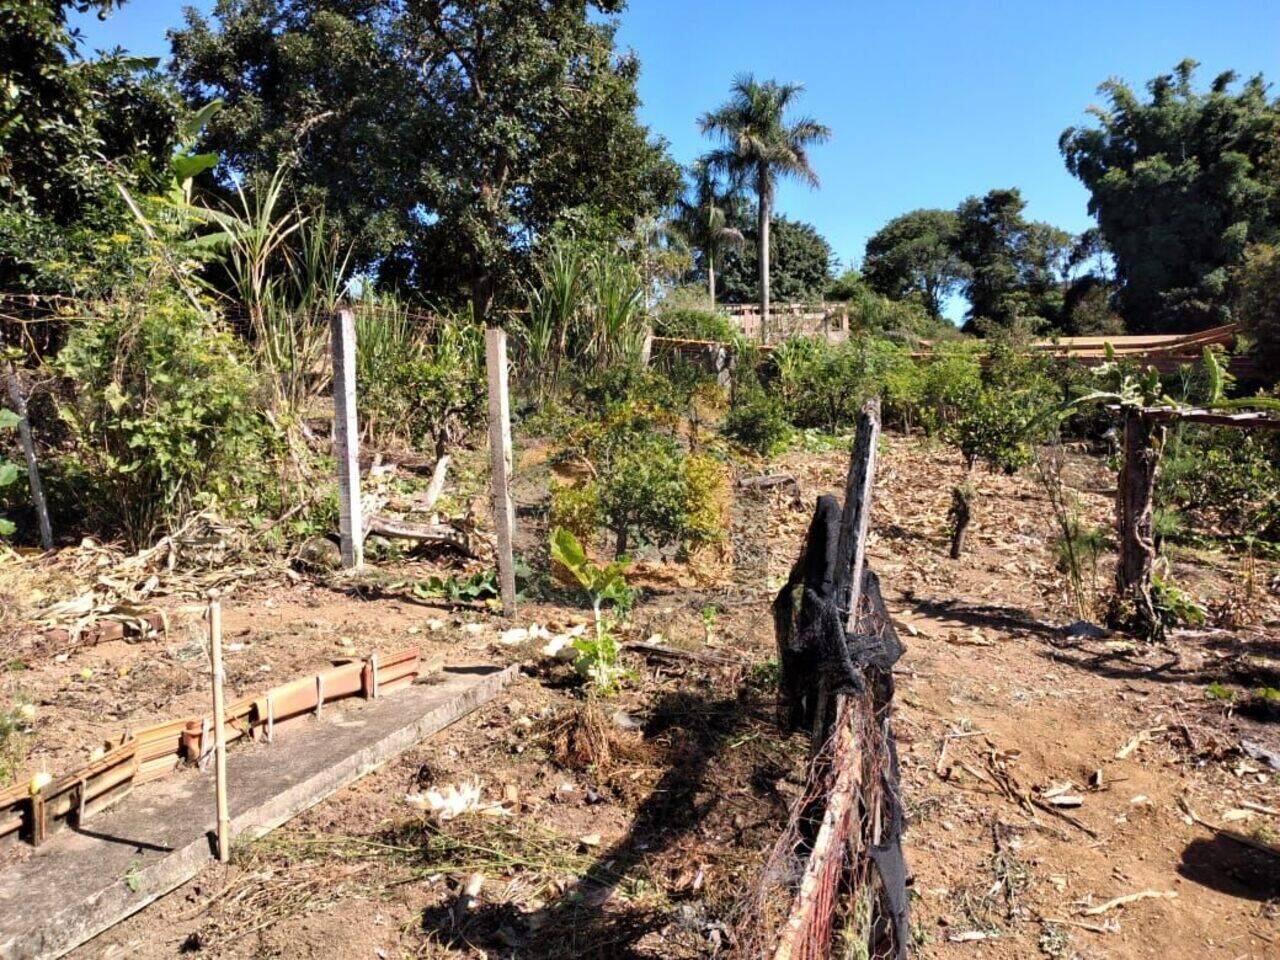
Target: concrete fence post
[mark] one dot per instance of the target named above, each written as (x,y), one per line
(346,437)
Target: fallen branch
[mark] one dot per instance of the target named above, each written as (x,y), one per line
(436,486)
(768,481)
(440,533)
(673,653)
(1127,899)
(1137,740)
(1107,927)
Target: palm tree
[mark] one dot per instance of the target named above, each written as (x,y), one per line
(760,147)
(704,218)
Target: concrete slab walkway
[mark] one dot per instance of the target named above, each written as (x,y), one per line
(84,881)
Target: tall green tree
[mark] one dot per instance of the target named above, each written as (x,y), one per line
(70,128)
(802,264)
(1013,266)
(446,136)
(914,255)
(1181,183)
(760,147)
(707,216)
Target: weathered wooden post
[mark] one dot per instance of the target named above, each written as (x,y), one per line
(495,356)
(851,549)
(1135,494)
(856,516)
(19,401)
(346,437)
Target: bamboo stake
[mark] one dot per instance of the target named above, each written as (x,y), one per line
(219,728)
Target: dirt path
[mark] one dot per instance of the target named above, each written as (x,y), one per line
(670,830)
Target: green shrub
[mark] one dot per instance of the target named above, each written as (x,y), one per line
(693,323)
(642,490)
(950,378)
(706,500)
(756,420)
(9,472)
(825,386)
(1173,605)
(576,508)
(1228,480)
(1010,412)
(160,416)
(425,386)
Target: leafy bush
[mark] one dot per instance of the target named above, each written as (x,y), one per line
(825,386)
(642,490)
(756,420)
(1228,480)
(1011,410)
(423,386)
(8,470)
(160,416)
(706,500)
(690,316)
(576,508)
(950,378)
(1173,605)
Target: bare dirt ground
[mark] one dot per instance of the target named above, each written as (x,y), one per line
(646,852)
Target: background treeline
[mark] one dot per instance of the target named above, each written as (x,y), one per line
(173,241)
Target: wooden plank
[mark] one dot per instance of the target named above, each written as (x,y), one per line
(346,437)
(495,355)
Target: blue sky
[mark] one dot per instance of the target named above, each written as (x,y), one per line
(930,101)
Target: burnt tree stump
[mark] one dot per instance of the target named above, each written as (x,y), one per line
(1143,445)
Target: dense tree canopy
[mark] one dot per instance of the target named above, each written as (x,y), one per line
(444,136)
(69,128)
(915,255)
(803,265)
(1180,183)
(1013,266)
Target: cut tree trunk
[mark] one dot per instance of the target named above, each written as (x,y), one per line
(763,255)
(961,513)
(19,401)
(1143,445)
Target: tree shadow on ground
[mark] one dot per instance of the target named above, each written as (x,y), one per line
(1232,868)
(1135,663)
(694,730)
(981,615)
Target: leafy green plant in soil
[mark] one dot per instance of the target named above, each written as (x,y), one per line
(598,654)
